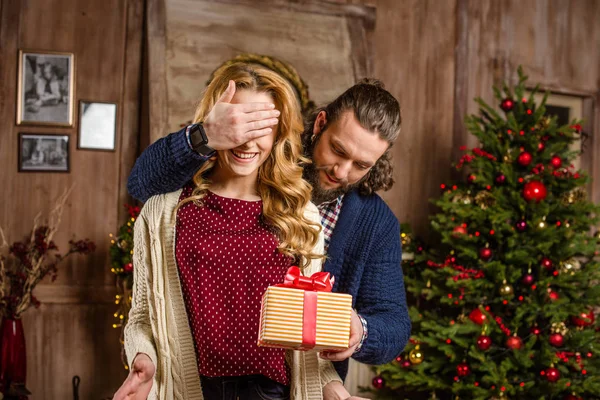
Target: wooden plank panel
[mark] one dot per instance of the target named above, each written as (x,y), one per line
(63,341)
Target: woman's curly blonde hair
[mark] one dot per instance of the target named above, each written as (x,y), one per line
(284,193)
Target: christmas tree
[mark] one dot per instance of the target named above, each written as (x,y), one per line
(503,303)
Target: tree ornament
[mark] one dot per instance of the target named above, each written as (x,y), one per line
(485,199)
(514,342)
(553,295)
(552,374)
(506,289)
(478,317)
(416,356)
(485,254)
(576,195)
(528,279)
(534,191)
(405,364)
(556,339)
(462,198)
(378,382)
(128,267)
(525,159)
(556,162)
(521,225)
(459,230)
(546,263)
(484,342)
(507,105)
(541,146)
(500,179)
(572,396)
(570,265)
(584,319)
(463,369)
(535,330)
(472,178)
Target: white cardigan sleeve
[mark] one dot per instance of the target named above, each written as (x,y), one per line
(138,331)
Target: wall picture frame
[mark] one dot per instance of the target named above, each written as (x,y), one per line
(97,126)
(566,108)
(43,152)
(45,88)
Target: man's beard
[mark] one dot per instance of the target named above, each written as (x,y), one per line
(311,174)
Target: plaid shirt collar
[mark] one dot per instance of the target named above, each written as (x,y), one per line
(330,212)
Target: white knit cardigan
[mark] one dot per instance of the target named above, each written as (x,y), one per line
(158,323)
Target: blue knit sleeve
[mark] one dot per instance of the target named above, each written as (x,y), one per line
(381,300)
(165,166)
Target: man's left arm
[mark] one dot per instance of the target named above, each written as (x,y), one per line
(381,301)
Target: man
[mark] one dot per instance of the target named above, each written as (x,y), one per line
(349,143)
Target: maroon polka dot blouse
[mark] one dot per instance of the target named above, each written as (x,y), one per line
(226,259)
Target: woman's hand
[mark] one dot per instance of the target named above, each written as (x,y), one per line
(139,382)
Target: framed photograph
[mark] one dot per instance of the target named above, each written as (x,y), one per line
(97,126)
(566,108)
(45,88)
(43,152)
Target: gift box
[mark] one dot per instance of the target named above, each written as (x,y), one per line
(303,314)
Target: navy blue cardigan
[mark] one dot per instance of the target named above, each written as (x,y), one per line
(364,253)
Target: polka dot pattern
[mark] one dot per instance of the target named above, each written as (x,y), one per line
(226,259)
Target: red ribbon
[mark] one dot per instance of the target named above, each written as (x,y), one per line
(317,282)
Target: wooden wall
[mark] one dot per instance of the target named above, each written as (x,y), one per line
(71,333)
(433,55)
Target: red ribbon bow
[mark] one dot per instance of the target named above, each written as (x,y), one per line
(317,282)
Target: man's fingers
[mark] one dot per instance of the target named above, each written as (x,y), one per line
(252,107)
(338,356)
(228,93)
(256,125)
(258,133)
(260,115)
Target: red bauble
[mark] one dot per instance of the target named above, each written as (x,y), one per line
(405,364)
(459,230)
(572,397)
(378,382)
(541,146)
(128,267)
(556,339)
(553,296)
(485,254)
(528,279)
(534,191)
(478,317)
(552,374)
(472,178)
(586,318)
(546,263)
(500,179)
(463,369)
(535,330)
(484,342)
(521,226)
(556,162)
(399,359)
(514,342)
(525,158)
(507,105)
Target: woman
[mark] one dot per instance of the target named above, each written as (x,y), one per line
(204,256)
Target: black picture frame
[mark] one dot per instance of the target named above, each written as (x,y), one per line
(44,152)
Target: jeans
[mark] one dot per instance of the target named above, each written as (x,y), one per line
(250,387)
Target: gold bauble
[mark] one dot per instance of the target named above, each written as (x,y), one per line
(574,196)
(415,356)
(463,198)
(506,289)
(570,265)
(123,244)
(485,199)
(543,124)
(405,239)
